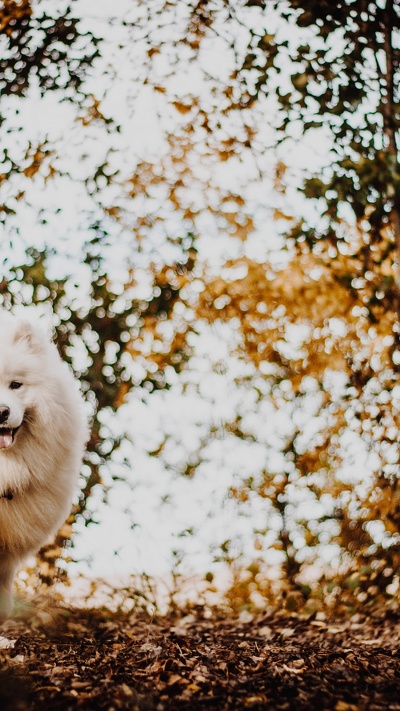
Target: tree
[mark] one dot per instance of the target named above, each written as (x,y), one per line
(317,327)
(333,71)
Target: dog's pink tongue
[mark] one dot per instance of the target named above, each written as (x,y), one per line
(5,440)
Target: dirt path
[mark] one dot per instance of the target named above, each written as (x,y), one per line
(90,660)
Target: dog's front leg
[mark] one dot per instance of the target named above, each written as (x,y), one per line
(7,572)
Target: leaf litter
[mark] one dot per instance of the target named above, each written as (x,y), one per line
(96,659)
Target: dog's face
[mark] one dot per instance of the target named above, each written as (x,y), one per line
(11,413)
(19,375)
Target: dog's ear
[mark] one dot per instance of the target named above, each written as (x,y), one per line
(25,334)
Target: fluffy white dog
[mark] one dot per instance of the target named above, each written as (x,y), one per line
(43,431)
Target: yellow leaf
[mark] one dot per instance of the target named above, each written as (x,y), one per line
(181,107)
(279,215)
(194,688)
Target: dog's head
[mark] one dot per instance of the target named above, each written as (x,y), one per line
(21,351)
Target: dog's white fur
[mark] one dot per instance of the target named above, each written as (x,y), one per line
(41,452)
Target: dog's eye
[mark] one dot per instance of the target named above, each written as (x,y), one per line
(15,384)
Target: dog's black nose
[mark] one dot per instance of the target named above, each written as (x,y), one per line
(4,413)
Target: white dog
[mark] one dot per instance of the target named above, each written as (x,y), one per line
(43,431)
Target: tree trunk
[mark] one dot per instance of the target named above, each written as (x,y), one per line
(389,123)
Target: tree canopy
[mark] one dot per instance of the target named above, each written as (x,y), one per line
(265,205)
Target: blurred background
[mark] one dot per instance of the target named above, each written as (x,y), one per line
(202,199)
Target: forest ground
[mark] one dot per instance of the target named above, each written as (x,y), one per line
(93,659)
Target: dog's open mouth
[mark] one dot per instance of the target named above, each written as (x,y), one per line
(7,435)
